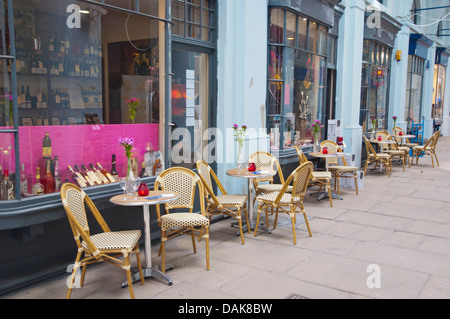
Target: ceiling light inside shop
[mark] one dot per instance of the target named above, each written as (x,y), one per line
(84,11)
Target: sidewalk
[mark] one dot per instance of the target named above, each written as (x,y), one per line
(399,224)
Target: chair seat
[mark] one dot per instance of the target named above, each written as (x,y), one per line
(238,200)
(421,148)
(270,197)
(410,144)
(382,155)
(395,152)
(321,175)
(183,220)
(266,188)
(342,168)
(404,148)
(126,239)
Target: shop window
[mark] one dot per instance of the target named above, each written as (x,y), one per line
(414,84)
(438,92)
(193,19)
(75,76)
(375,85)
(296,83)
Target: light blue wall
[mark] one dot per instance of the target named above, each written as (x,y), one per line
(242,78)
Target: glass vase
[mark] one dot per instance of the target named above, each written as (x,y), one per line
(316,145)
(129,190)
(241,163)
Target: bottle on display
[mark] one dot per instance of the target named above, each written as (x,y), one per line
(21,101)
(149,159)
(23,182)
(157,167)
(28,98)
(47,147)
(143,172)
(113,168)
(91,175)
(38,188)
(57,176)
(49,181)
(85,176)
(7,188)
(77,178)
(99,174)
(107,174)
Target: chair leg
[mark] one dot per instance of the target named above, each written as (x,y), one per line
(193,241)
(307,223)
(128,271)
(365,167)
(329,193)
(293,224)
(74,271)
(208,266)
(356,183)
(241,232)
(338,183)
(257,219)
(276,218)
(247,220)
(162,249)
(435,155)
(138,259)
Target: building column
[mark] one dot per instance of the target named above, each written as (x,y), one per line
(348,84)
(241,82)
(445,127)
(397,90)
(427,99)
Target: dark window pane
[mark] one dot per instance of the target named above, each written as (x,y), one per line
(276,26)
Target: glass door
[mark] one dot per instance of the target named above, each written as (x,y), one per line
(190,105)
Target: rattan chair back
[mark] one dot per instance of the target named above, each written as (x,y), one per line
(184,182)
(266,161)
(301,156)
(75,200)
(207,176)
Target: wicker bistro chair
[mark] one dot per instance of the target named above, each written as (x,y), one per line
(339,171)
(377,158)
(318,178)
(229,205)
(106,246)
(428,149)
(264,160)
(184,182)
(299,179)
(393,149)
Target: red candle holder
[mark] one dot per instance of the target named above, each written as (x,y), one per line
(143,189)
(251,167)
(325,150)
(379,138)
(400,133)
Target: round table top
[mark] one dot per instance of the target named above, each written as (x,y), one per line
(405,136)
(245,173)
(320,154)
(383,142)
(153,198)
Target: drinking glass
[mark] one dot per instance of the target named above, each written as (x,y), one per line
(123,183)
(135,184)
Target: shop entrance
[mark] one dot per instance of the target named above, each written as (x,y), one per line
(190,104)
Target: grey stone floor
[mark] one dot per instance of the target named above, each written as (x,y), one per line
(390,241)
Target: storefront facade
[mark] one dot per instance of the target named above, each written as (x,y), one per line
(198,67)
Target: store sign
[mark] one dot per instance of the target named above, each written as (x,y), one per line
(74,19)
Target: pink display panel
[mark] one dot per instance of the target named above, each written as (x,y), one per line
(84,144)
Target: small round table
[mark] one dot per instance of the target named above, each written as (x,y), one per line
(403,137)
(153,198)
(244,173)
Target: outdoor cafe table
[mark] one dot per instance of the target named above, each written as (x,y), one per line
(403,137)
(153,198)
(245,173)
(323,195)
